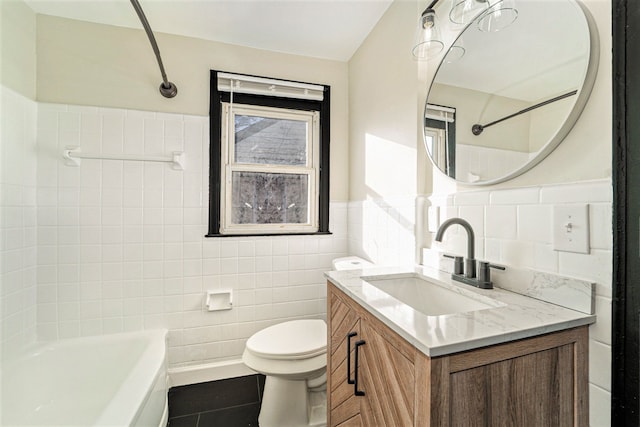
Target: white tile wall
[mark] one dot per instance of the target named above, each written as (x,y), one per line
(17,222)
(116,246)
(383,231)
(517,231)
(121,246)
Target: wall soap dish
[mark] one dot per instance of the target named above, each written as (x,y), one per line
(219,300)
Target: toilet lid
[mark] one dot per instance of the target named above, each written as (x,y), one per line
(296,339)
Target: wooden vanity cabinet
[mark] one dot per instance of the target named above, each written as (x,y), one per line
(532,382)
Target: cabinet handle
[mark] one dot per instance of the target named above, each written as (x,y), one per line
(355,386)
(349,336)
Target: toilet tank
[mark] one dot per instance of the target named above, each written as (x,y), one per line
(350,263)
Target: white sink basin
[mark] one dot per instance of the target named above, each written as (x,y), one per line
(430,298)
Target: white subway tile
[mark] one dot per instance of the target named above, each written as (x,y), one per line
(600,226)
(520,196)
(601,330)
(545,258)
(535,223)
(599,191)
(599,356)
(500,222)
(475,216)
(596,266)
(471,198)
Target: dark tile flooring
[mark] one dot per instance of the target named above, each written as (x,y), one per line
(233,402)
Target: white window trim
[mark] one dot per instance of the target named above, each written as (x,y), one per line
(229,165)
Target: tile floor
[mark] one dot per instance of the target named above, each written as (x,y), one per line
(233,402)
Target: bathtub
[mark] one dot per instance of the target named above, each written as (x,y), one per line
(110,380)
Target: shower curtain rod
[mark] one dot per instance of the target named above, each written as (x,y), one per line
(167,89)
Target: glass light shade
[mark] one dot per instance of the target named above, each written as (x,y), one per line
(427,42)
(498,17)
(456,52)
(464,11)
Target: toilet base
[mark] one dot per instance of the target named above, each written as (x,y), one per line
(287,403)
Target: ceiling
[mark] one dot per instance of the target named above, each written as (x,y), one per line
(330,29)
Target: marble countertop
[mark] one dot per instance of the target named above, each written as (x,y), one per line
(512,317)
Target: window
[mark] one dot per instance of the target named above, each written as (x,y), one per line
(269,156)
(440,137)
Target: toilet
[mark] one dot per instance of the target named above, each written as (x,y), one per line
(293,356)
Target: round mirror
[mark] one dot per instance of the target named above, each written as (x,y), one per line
(502,101)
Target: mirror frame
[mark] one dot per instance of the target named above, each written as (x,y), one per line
(583,96)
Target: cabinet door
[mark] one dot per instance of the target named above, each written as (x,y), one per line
(532,390)
(343,405)
(385,369)
(540,381)
(387,377)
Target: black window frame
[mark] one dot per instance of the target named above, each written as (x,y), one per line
(216,99)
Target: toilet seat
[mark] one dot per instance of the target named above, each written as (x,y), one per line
(293,340)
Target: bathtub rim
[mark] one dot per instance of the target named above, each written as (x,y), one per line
(134,391)
(153,358)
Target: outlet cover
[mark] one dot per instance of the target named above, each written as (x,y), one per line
(571,228)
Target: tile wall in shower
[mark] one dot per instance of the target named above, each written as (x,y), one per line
(121,246)
(17,222)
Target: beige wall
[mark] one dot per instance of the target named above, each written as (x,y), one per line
(100,65)
(472,104)
(18,54)
(382,89)
(383,143)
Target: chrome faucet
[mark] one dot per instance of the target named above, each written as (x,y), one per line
(468,275)
(469,262)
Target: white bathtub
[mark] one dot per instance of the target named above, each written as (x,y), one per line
(110,380)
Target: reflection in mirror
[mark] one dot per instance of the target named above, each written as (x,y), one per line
(522,88)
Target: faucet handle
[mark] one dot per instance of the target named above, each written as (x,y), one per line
(484,272)
(458,264)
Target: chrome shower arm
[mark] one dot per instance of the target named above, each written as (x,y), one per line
(167,89)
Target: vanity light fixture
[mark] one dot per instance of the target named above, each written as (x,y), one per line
(493,15)
(502,14)
(464,11)
(455,52)
(428,41)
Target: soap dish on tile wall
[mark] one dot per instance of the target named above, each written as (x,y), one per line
(219,300)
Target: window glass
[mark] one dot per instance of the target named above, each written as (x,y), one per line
(269,198)
(266,140)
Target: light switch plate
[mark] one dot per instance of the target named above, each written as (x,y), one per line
(571,228)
